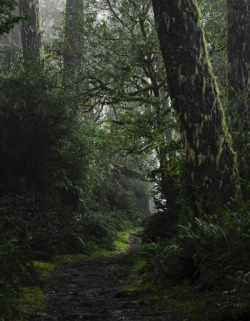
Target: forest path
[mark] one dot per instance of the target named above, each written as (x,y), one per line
(88,290)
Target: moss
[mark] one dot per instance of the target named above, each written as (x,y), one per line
(43,269)
(220,150)
(204,87)
(201,159)
(138,266)
(31,299)
(182,299)
(120,245)
(180,80)
(191,156)
(135,283)
(137,286)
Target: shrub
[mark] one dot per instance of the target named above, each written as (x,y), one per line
(211,252)
(15,270)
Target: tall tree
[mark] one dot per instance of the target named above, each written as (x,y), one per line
(30,30)
(238,48)
(195,98)
(73,53)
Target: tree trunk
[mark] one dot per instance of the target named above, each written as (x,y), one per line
(238,46)
(30,31)
(73,53)
(195,98)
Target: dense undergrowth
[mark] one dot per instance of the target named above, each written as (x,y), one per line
(203,270)
(60,191)
(21,290)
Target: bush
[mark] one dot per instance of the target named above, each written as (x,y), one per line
(15,270)
(211,252)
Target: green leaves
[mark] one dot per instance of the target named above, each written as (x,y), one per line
(7,17)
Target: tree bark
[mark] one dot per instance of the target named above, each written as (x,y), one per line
(30,31)
(195,98)
(73,53)
(238,45)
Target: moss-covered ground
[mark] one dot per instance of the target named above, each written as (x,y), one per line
(180,299)
(33,298)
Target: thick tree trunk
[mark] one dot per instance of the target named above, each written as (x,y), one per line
(239,80)
(30,31)
(195,98)
(238,45)
(73,36)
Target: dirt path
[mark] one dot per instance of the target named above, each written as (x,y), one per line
(88,290)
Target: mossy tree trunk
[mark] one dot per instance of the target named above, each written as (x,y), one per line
(195,98)
(73,53)
(30,31)
(238,46)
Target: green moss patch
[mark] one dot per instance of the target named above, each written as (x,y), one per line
(135,282)
(31,299)
(43,269)
(121,244)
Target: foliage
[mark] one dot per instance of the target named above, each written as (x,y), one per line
(7,18)
(212,254)
(51,18)
(214,18)
(56,173)
(15,270)
(31,299)
(52,170)
(76,151)
(172,196)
